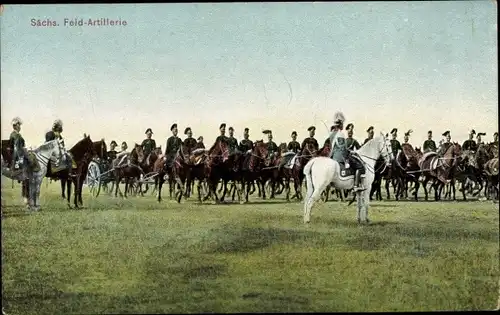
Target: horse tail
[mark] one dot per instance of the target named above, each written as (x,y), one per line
(308,173)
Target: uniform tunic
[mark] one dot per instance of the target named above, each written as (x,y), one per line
(52,135)
(190,143)
(395,146)
(148,145)
(232,143)
(366,140)
(246,145)
(338,143)
(17,145)
(112,155)
(429,145)
(293,146)
(271,148)
(352,144)
(444,147)
(469,145)
(173,145)
(311,140)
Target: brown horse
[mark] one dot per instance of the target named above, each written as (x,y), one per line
(440,169)
(408,161)
(148,167)
(82,153)
(251,167)
(130,170)
(295,172)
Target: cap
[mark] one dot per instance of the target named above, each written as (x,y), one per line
(200,138)
(231,128)
(369,129)
(472,132)
(481,134)
(267,131)
(408,133)
(113,142)
(148,130)
(311,128)
(349,126)
(223,125)
(394,130)
(173,126)
(495,134)
(446,133)
(294,133)
(124,143)
(430,131)
(186,130)
(247,130)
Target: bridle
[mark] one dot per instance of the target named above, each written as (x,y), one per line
(384,156)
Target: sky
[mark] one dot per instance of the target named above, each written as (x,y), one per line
(279,66)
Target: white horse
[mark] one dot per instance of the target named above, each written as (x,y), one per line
(321,171)
(50,151)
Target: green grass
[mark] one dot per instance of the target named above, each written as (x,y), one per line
(135,256)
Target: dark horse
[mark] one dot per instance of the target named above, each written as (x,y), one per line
(129,170)
(101,152)
(295,172)
(82,153)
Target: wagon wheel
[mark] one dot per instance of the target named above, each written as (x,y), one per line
(94,179)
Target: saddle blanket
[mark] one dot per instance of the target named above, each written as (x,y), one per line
(348,172)
(62,166)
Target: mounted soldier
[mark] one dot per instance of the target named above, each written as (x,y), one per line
(294,145)
(122,155)
(148,144)
(231,141)
(112,152)
(246,144)
(173,145)
(351,143)
(310,139)
(370,134)
(429,144)
(53,134)
(272,148)
(18,145)
(470,144)
(222,136)
(189,142)
(446,144)
(395,145)
(341,154)
(495,139)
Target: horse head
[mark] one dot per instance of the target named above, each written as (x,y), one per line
(101,149)
(283,148)
(259,151)
(139,153)
(309,150)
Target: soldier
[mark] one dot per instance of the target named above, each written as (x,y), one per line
(407,136)
(112,152)
(351,143)
(55,133)
(17,144)
(470,144)
(246,145)
(148,145)
(370,134)
(122,154)
(173,145)
(272,148)
(340,153)
(395,145)
(310,139)
(231,141)
(199,144)
(429,144)
(189,142)
(294,145)
(479,139)
(222,136)
(446,144)
(495,138)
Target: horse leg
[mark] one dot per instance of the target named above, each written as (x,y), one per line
(416,185)
(263,190)
(387,183)
(161,180)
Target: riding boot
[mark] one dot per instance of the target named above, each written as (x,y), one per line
(357,181)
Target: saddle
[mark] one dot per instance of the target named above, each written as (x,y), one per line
(61,166)
(347,171)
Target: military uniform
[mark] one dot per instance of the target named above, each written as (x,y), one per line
(17,145)
(246,145)
(429,146)
(395,146)
(190,143)
(310,140)
(366,140)
(232,143)
(148,146)
(352,144)
(52,135)
(294,146)
(272,148)
(173,145)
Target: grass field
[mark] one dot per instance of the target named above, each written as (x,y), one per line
(136,256)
